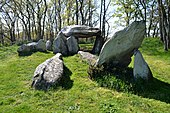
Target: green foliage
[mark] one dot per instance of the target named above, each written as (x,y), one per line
(79,93)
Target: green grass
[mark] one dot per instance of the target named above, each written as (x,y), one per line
(86,47)
(80,94)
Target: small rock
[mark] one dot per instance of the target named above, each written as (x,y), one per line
(90,58)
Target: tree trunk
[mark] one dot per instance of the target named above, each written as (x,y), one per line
(163,24)
(77,15)
(101,11)
(42,34)
(59,15)
(104,19)
(81,12)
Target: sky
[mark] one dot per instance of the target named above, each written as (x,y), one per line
(114,27)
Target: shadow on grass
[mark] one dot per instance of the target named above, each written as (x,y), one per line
(122,80)
(157,90)
(66,82)
(30,53)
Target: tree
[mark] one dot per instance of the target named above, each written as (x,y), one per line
(164,22)
(9,16)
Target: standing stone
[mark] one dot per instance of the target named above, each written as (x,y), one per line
(59,44)
(72,45)
(49,45)
(48,73)
(118,50)
(141,68)
(98,44)
(41,46)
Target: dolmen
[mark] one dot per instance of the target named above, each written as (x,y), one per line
(118,50)
(48,73)
(66,41)
(27,49)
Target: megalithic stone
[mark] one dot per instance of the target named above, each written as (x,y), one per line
(80,31)
(59,44)
(48,73)
(141,68)
(118,50)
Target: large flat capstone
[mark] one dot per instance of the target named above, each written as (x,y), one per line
(80,31)
(48,73)
(118,50)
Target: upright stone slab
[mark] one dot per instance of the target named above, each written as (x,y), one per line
(48,73)
(98,44)
(118,50)
(59,44)
(49,45)
(141,68)
(72,45)
(41,46)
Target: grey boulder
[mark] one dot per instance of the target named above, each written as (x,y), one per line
(118,50)
(49,45)
(27,49)
(33,46)
(88,57)
(72,45)
(59,44)
(41,45)
(48,73)
(141,68)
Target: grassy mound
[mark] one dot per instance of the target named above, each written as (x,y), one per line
(79,93)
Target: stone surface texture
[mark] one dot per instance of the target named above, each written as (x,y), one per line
(49,45)
(141,68)
(77,31)
(72,45)
(80,31)
(41,45)
(48,73)
(27,49)
(118,50)
(59,44)
(88,57)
